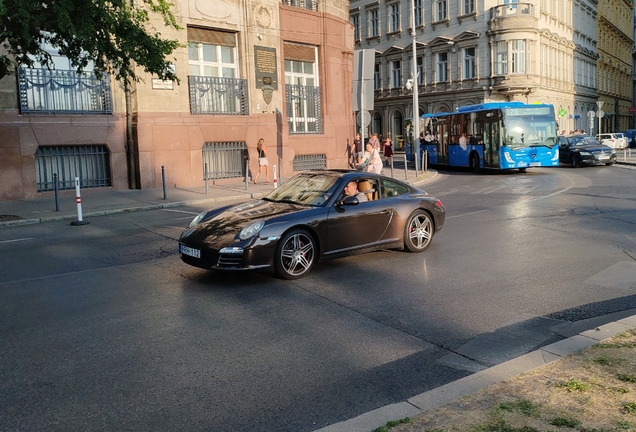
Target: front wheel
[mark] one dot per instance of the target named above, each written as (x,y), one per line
(418,231)
(574,163)
(523,170)
(609,163)
(295,254)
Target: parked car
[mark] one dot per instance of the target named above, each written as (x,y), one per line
(577,150)
(309,218)
(614,140)
(630,136)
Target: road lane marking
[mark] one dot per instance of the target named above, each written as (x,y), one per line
(181,211)
(16,240)
(467,214)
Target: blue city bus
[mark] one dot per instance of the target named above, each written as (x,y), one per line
(495,135)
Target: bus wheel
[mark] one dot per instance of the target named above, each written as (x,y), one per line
(522,170)
(474,163)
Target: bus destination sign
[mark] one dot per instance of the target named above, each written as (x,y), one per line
(529,111)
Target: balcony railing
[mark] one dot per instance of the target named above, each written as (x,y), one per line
(305,4)
(212,95)
(511,9)
(63,92)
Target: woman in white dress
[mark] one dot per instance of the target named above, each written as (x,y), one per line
(373,157)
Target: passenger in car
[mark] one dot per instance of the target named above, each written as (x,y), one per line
(351,189)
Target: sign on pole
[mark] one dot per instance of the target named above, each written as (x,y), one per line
(363,64)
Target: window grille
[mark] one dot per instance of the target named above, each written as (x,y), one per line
(310,162)
(224,159)
(212,95)
(304,114)
(63,92)
(90,163)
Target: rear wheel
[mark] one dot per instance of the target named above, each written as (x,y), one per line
(295,254)
(418,231)
(522,170)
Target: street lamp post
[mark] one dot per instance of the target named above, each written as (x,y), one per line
(416,111)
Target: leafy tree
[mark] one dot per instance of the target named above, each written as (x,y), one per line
(115,34)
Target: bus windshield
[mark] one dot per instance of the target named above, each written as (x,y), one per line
(529,127)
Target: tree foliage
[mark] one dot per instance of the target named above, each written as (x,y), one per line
(114,34)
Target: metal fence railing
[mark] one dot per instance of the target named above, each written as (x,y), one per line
(63,92)
(90,163)
(213,95)
(304,112)
(310,162)
(224,159)
(305,4)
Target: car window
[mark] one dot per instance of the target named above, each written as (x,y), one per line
(391,189)
(305,189)
(619,135)
(563,142)
(576,140)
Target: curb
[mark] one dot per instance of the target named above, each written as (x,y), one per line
(454,390)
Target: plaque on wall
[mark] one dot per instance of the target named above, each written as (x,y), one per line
(158,84)
(266,67)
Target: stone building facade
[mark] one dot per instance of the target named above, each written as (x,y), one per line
(474,51)
(615,46)
(272,69)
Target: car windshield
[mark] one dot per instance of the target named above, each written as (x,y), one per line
(311,189)
(582,140)
(619,135)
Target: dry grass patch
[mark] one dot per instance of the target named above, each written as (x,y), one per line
(593,390)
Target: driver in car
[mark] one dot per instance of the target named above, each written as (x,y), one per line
(351,189)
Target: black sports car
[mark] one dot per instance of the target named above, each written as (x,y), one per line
(309,218)
(577,150)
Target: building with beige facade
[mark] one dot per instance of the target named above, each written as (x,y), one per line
(268,69)
(615,43)
(474,51)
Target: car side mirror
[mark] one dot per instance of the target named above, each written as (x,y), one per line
(350,200)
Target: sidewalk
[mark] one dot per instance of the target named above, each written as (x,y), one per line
(626,156)
(105,201)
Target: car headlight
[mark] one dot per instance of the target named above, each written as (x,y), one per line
(198,219)
(251,230)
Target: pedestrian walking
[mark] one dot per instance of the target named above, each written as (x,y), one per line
(262,161)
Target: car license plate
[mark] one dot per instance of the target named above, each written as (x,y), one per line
(603,157)
(196,253)
(535,163)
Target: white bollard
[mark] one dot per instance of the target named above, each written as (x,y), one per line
(78,199)
(275,179)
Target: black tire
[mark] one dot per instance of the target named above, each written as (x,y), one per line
(609,163)
(295,254)
(574,163)
(474,162)
(523,170)
(418,231)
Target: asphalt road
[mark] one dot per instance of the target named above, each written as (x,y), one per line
(103,327)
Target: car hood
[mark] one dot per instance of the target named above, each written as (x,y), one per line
(592,148)
(229,222)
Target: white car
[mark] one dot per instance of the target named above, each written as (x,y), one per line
(613,140)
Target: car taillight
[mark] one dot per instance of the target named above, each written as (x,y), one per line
(438,203)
